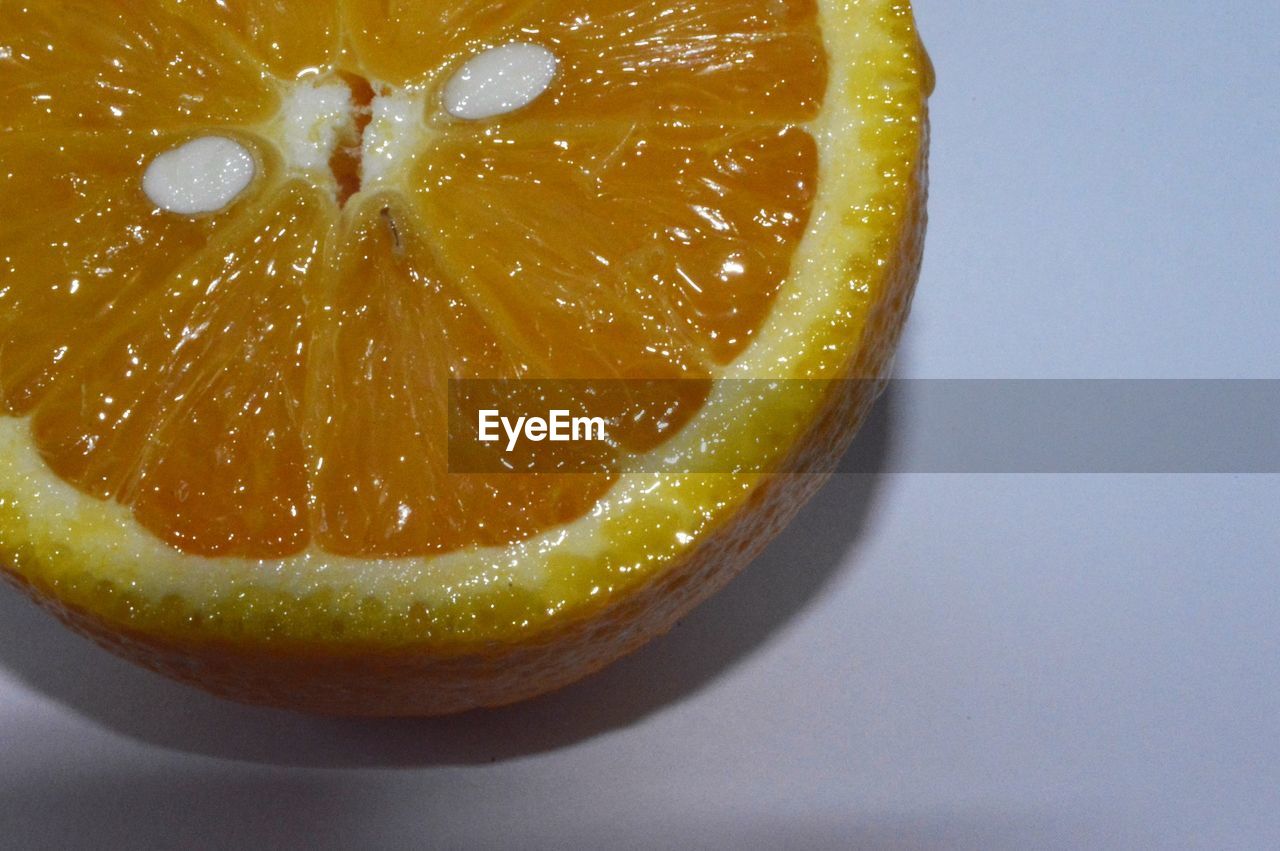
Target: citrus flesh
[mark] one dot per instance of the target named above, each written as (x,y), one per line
(223,444)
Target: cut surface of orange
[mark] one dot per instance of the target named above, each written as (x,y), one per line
(223,437)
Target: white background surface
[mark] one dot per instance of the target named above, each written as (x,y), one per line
(920,661)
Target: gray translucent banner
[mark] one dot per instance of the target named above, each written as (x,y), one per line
(1071,426)
(927,426)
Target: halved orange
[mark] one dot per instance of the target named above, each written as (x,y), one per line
(223,443)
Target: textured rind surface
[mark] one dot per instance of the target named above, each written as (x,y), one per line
(354,678)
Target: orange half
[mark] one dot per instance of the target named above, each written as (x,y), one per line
(223,448)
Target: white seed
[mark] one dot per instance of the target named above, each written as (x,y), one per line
(201,176)
(500,80)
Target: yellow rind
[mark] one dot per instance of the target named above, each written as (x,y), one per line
(488,626)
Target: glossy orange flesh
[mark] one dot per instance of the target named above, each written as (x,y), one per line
(274,377)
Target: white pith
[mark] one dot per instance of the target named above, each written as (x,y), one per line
(393,138)
(317,118)
(314,120)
